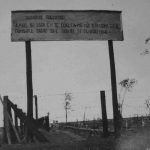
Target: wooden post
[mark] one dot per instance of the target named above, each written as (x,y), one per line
(48,114)
(16,119)
(114,88)
(10,118)
(48,121)
(36,107)
(29,80)
(29,84)
(66,115)
(6,120)
(21,127)
(104,113)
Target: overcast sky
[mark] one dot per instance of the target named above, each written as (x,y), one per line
(79,67)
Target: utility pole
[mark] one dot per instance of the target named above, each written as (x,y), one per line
(114,89)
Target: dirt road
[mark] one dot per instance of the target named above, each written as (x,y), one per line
(58,140)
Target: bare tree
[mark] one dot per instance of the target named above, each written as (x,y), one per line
(146,50)
(67,106)
(147,40)
(126,86)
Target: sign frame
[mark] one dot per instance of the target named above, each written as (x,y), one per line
(101,31)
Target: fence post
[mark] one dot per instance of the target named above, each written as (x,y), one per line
(104,113)
(16,119)
(7,135)
(36,107)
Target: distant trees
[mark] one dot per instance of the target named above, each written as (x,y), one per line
(147,103)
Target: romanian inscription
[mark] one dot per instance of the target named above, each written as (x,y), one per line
(66,25)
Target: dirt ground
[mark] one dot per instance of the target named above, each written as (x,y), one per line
(65,140)
(58,140)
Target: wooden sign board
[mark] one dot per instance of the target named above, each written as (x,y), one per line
(66,25)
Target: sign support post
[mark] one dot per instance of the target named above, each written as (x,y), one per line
(114,88)
(29,84)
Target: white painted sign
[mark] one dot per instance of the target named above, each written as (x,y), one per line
(66,25)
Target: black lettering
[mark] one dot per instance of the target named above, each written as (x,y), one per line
(86,25)
(21,25)
(114,26)
(68,31)
(49,24)
(96,25)
(23,31)
(32,25)
(55,17)
(33,17)
(40,24)
(53,31)
(41,30)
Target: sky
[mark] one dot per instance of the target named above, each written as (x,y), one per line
(79,67)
